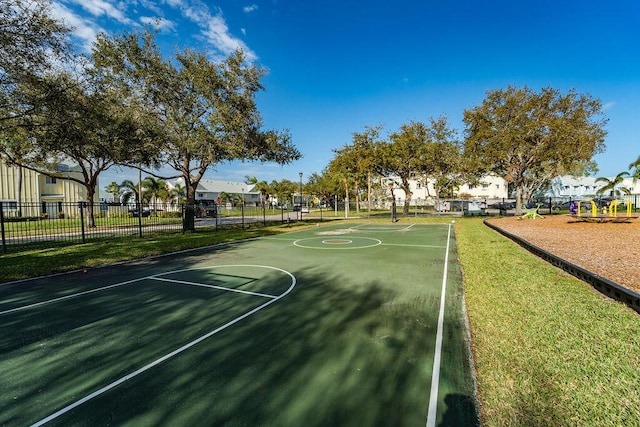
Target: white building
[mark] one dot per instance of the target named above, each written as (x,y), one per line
(43,194)
(489,187)
(209,191)
(569,187)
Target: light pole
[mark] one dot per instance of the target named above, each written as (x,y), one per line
(300,174)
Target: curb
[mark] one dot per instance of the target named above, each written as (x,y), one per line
(601,284)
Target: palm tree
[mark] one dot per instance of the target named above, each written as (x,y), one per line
(635,166)
(264,189)
(128,190)
(114,189)
(178,194)
(613,186)
(153,188)
(224,197)
(261,186)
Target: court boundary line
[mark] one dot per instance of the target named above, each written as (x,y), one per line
(135,260)
(71,296)
(175,352)
(203,285)
(415,246)
(382,229)
(432,412)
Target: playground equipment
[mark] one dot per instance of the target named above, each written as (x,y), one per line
(608,214)
(532,213)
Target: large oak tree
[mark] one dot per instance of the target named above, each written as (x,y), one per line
(207,109)
(80,121)
(29,41)
(531,137)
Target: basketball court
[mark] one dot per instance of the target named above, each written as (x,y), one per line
(346,324)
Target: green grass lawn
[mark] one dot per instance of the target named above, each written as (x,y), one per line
(548,349)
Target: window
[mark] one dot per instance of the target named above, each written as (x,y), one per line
(497,186)
(485,185)
(50,180)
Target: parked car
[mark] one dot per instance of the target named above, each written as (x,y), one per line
(145,213)
(303,209)
(502,205)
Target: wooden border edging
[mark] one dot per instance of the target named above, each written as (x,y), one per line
(605,286)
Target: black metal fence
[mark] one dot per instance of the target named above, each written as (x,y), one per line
(38,225)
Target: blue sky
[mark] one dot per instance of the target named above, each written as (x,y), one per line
(337,66)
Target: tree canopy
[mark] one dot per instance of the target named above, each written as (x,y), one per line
(530,137)
(80,122)
(30,41)
(207,109)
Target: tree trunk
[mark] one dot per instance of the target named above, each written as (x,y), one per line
(91,192)
(407,197)
(369,192)
(346,199)
(519,191)
(189,220)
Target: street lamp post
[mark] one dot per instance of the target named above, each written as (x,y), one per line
(300,174)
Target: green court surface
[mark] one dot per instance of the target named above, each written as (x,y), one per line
(343,325)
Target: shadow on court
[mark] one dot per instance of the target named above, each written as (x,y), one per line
(328,353)
(324,355)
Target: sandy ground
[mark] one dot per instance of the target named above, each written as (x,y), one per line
(611,250)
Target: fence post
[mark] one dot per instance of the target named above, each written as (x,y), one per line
(183,218)
(4,243)
(140,219)
(81,206)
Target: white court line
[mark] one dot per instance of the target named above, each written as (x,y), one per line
(169,355)
(222,288)
(376,243)
(414,246)
(435,375)
(376,228)
(50,301)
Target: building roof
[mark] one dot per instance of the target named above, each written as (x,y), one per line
(219,186)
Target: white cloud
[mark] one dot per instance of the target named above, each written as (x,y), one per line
(161,24)
(102,7)
(176,3)
(251,8)
(219,36)
(212,25)
(608,106)
(215,29)
(152,6)
(84,29)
